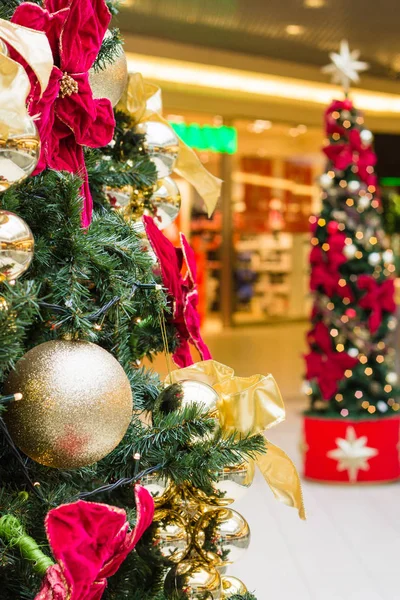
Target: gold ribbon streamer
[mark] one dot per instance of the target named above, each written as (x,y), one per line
(143,102)
(34,48)
(251,405)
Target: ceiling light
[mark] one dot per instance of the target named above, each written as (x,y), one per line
(175,119)
(294,132)
(302,128)
(314,3)
(249,83)
(218,120)
(294,29)
(259,125)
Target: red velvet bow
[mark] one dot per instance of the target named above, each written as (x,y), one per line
(326,366)
(325,273)
(66,123)
(90,542)
(331,124)
(379,297)
(182,289)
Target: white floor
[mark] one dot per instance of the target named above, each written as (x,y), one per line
(349,548)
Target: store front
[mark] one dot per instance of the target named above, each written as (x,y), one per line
(252,254)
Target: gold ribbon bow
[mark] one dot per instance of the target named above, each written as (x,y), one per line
(251,405)
(143,102)
(34,48)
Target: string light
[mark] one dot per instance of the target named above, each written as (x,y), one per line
(321,222)
(360,120)
(336,136)
(358,394)
(325,247)
(396,406)
(348,241)
(346,301)
(344,412)
(330,306)
(380,358)
(342,282)
(358,254)
(341,226)
(339,398)
(346,124)
(375,204)
(381,345)
(391,402)
(334,332)
(331,174)
(368,371)
(359,235)
(344,319)
(350,202)
(343,183)
(373,240)
(365,404)
(371,409)
(312,219)
(340,347)
(348,373)
(388,388)
(336,114)
(314,241)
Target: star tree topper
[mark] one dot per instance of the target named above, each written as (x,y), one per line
(345,66)
(352,454)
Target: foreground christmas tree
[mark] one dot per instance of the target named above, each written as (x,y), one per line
(90,442)
(350,366)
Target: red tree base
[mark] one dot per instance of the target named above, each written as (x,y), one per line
(348,451)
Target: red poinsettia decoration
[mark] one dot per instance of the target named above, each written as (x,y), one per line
(68,117)
(326,365)
(182,289)
(379,298)
(90,541)
(325,265)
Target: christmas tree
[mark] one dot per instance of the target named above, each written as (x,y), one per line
(87,435)
(350,366)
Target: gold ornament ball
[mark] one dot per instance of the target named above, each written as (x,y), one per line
(167,538)
(19,153)
(167,202)
(76,404)
(161,144)
(159,487)
(188,503)
(16,246)
(193,580)
(110,82)
(188,391)
(222,536)
(232,586)
(234,482)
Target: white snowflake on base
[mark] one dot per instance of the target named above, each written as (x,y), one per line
(352,454)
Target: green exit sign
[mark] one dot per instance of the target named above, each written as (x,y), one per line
(208,138)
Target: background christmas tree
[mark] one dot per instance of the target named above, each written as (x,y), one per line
(96,284)
(350,366)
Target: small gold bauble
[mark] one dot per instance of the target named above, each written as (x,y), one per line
(159,487)
(16,246)
(222,536)
(188,391)
(166,201)
(19,154)
(188,503)
(76,403)
(233,482)
(193,580)
(232,586)
(161,144)
(167,538)
(110,82)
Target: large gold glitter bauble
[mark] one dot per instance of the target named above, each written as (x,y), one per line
(161,144)
(76,404)
(159,487)
(188,391)
(110,82)
(19,154)
(168,538)
(222,536)
(16,246)
(166,201)
(233,482)
(193,580)
(232,586)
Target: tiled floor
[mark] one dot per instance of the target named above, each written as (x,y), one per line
(349,548)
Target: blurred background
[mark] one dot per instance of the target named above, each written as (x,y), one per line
(242,85)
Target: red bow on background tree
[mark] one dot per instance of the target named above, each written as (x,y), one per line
(378,298)
(68,115)
(182,289)
(90,542)
(329,366)
(325,273)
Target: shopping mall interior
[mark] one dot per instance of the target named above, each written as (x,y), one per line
(242,83)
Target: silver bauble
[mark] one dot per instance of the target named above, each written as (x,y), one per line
(161,144)
(19,154)
(16,246)
(167,202)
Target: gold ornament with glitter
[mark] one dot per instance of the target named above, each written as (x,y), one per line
(76,405)
(111,81)
(16,246)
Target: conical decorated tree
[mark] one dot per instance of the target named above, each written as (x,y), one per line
(350,364)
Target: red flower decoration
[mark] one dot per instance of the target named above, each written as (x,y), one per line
(68,115)
(182,289)
(326,366)
(379,298)
(90,542)
(325,273)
